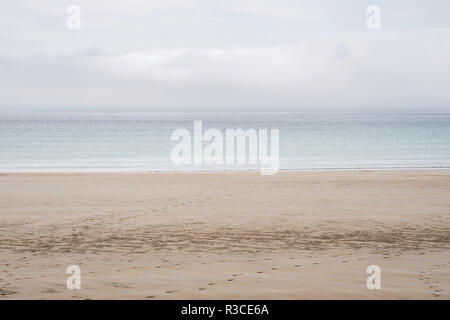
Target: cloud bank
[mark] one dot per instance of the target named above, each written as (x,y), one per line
(111,64)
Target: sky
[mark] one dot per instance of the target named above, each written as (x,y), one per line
(235,55)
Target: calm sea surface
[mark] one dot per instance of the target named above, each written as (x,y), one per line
(125,142)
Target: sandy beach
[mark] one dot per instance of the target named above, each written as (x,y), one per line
(295,235)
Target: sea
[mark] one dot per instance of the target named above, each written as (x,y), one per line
(141,142)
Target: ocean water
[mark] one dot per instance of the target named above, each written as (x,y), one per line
(140,142)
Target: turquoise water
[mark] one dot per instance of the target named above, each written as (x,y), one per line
(124,142)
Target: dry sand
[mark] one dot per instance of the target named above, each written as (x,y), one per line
(295,235)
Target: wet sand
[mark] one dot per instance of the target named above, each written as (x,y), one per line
(295,235)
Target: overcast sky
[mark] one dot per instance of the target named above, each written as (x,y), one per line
(207,55)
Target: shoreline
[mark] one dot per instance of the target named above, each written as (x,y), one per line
(331,169)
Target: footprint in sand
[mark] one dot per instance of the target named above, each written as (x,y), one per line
(120,285)
(49,290)
(149,297)
(4,292)
(201,288)
(172,291)
(433,285)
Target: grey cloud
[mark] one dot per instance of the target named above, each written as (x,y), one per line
(226,55)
